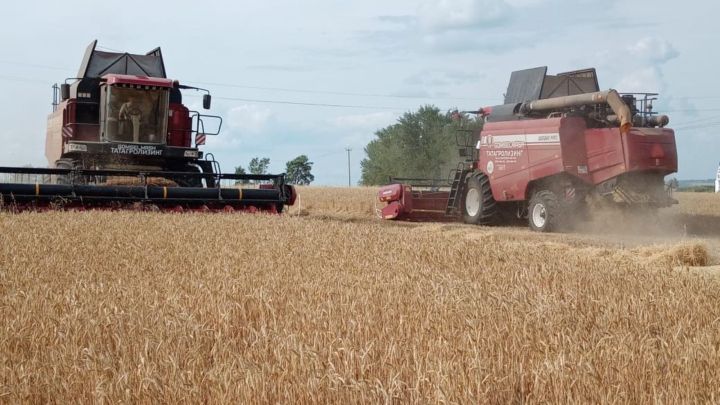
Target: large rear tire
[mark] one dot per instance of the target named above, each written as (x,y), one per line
(479,206)
(544,211)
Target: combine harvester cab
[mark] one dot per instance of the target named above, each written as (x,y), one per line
(555,144)
(120,136)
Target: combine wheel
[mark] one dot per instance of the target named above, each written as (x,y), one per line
(544,211)
(63,164)
(479,206)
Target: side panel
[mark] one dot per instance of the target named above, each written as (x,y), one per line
(605,153)
(515,152)
(574,156)
(651,149)
(179,126)
(53,136)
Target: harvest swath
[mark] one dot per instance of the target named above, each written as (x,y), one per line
(328,303)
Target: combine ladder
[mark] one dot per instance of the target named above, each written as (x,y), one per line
(456,191)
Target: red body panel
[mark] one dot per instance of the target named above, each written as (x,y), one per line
(513,153)
(651,149)
(405,203)
(179,126)
(642,149)
(605,155)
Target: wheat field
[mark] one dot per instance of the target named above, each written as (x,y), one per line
(329,304)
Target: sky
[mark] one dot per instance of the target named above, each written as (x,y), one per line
(361,64)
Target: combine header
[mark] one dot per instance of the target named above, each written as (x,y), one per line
(120,137)
(556,143)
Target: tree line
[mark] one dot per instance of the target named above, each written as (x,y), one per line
(421,144)
(297,171)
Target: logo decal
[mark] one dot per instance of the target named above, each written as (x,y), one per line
(490,167)
(142,150)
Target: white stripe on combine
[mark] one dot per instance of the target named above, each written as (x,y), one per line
(544,138)
(553,137)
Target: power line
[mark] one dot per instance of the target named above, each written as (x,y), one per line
(328,154)
(337,93)
(248,100)
(690,110)
(23,79)
(108,49)
(253,100)
(32,65)
(283,89)
(699,126)
(309,91)
(694,98)
(697,121)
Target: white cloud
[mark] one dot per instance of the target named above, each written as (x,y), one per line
(653,50)
(641,80)
(638,66)
(365,122)
(249,118)
(358,129)
(442,15)
(524,3)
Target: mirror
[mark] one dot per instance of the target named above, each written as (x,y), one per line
(64,91)
(206,101)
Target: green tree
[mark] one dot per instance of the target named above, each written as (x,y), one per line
(258,165)
(298,171)
(240,170)
(422,144)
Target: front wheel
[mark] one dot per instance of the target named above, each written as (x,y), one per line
(544,211)
(63,164)
(479,206)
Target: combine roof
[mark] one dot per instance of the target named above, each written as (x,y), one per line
(96,64)
(536,84)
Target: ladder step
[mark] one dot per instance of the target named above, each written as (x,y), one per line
(455,190)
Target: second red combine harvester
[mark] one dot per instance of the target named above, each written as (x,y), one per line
(121,137)
(555,143)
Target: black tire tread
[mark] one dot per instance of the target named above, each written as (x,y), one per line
(552,208)
(488,206)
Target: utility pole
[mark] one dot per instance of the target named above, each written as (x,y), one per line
(348,152)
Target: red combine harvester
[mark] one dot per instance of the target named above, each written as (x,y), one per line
(556,143)
(120,137)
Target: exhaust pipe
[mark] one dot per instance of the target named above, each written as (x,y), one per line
(609,97)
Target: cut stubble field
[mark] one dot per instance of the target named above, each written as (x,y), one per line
(330,304)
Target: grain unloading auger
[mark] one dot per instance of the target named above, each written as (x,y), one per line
(557,143)
(120,137)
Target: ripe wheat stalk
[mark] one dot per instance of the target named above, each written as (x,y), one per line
(328,304)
